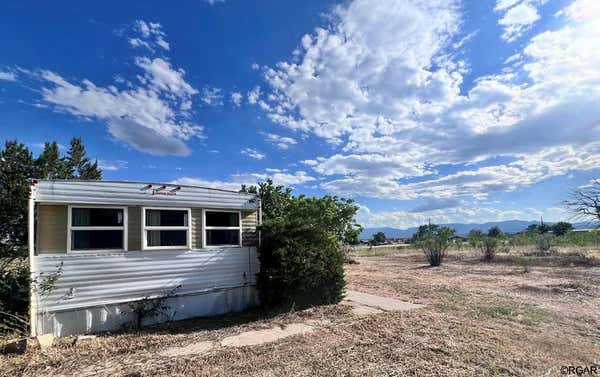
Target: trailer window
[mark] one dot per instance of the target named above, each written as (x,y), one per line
(96,228)
(166,228)
(222,228)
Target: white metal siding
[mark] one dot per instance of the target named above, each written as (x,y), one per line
(133,193)
(89,280)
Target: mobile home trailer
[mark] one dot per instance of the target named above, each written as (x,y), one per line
(107,245)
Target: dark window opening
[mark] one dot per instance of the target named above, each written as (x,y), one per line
(96,239)
(166,237)
(222,219)
(161,217)
(97,217)
(216,237)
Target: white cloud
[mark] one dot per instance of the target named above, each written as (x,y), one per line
(370,165)
(524,172)
(254,95)
(458,214)
(236,98)
(280,178)
(213,2)
(310,162)
(380,83)
(8,76)
(162,77)
(253,153)
(148,35)
(112,165)
(582,10)
(151,115)
(212,96)
(43,145)
(223,185)
(281,142)
(255,66)
(517,18)
(235,181)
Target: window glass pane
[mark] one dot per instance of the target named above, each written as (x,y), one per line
(166,237)
(97,217)
(96,239)
(222,218)
(161,217)
(222,237)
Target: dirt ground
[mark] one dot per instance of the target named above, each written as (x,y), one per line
(521,315)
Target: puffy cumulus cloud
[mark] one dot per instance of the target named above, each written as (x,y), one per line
(371,65)
(236,98)
(458,214)
(518,16)
(148,35)
(254,95)
(161,76)
(381,83)
(151,115)
(253,153)
(281,142)
(8,76)
(370,166)
(525,171)
(212,96)
(280,177)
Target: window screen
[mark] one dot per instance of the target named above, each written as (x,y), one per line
(96,239)
(97,228)
(167,237)
(222,228)
(162,217)
(222,237)
(166,228)
(222,219)
(97,217)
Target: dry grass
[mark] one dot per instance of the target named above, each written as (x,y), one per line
(481,319)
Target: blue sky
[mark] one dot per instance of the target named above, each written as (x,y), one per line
(445,110)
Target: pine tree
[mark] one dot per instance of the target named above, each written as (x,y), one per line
(49,164)
(79,165)
(16,167)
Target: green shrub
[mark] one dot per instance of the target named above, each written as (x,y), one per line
(435,243)
(300,265)
(488,246)
(14,297)
(545,243)
(301,261)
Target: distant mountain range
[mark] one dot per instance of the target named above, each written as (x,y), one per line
(509,226)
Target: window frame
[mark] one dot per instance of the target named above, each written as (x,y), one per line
(71,228)
(187,228)
(205,228)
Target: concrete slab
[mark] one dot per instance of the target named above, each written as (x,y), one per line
(256,337)
(383,303)
(365,310)
(46,341)
(192,349)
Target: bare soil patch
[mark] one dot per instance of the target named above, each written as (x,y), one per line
(480,319)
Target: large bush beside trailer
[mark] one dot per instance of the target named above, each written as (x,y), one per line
(300,255)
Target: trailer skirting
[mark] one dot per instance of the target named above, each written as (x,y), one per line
(114,317)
